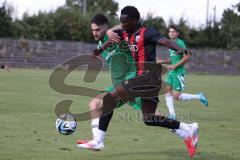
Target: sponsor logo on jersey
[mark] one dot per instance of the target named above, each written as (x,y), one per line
(109,54)
(173,53)
(133,47)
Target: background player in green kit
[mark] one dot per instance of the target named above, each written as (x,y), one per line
(122,67)
(175,76)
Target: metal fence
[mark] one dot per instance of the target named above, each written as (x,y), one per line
(48,54)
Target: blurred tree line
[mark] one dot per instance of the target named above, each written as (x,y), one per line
(71,22)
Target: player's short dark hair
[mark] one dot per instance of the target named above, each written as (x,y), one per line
(99,19)
(131,12)
(174,27)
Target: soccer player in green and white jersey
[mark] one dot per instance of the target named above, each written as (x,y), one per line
(122,67)
(175,76)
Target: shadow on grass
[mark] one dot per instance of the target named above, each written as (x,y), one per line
(169,155)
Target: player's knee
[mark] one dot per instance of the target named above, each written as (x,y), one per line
(168,89)
(92,106)
(95,104)
(176,96)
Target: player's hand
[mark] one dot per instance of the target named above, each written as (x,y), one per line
(98,51)
(113,36)
(95,53)
(161,61)
(171,67)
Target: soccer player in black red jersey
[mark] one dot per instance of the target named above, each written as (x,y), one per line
(142,43)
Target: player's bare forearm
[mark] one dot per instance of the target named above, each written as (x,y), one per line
(170,44)
(183,60)
(164,61)
(117,27)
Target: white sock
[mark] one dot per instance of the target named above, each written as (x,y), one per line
(186,96)
(170,104)
(181,133)
(185,127)
(98,135)
(94,125)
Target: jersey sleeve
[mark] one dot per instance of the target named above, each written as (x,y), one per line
(152,35)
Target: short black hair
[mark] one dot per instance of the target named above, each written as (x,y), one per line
(99,19)
(131,12)
(174,27)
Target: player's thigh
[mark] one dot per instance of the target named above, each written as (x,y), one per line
(169,80)
(176,94)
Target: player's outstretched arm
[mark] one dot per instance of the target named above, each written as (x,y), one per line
(164,61)
(172,45)
(185,58)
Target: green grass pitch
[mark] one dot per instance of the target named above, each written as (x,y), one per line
(27,121)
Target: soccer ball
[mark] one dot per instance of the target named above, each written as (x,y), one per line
(66,124)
